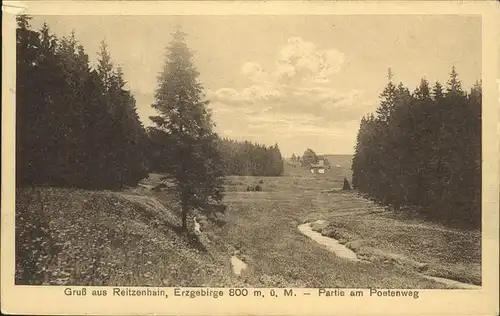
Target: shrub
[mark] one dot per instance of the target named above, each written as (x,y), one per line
(346,185)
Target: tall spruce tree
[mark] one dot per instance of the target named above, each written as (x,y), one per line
(28,166)
(388,98)
(105,66)
(66,133)
(425,152)
(189,141)
(127,151)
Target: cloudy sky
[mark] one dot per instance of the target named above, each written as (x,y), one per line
(301,81)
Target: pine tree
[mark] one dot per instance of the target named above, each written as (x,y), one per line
(28,167)
(358,162)
(195,162)
(128,148)
(426,154)
(454,84)
(250,159)
(346,185)
(388,98)
(420,161)
(67,134)
(437,91)
(278,161)
(105,66)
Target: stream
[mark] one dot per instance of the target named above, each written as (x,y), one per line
(237,265)
(331,244)
(342,251)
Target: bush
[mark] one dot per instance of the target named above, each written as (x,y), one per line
(346,185)
(258,188)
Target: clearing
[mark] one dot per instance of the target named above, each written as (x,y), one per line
(132,238)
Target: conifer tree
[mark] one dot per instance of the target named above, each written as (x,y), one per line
(250,159)
(346,186)
(105,66)
(128,147)
(195,161)
(66,133)
(388,98)
(28,166)
(425,152)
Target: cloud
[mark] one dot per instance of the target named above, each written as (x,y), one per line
(299,83)
(298,62)
(301,61)
(254,72)
(296,97)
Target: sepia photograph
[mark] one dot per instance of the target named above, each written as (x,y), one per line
(249,151)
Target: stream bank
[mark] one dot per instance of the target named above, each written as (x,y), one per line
(333,245)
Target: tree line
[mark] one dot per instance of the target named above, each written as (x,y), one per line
(78,127)
(309,158)
(75,126)
(423,149)
(245,158)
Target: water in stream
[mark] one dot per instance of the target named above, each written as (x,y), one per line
(331,244)
(342,251)
(238,265)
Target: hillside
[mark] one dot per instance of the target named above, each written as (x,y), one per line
(110,238)
(344,161)
(132,238)
(340,167)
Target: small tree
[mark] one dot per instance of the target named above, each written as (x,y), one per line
(309,157)
(346,185)
(189,144)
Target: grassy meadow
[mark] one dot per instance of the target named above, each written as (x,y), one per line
(132,238)
(109,238)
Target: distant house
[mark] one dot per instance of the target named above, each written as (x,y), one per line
(319,167)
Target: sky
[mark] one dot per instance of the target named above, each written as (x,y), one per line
(299,81)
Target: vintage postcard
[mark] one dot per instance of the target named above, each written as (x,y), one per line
(250,158)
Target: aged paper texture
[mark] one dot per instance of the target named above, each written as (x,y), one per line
(250,158)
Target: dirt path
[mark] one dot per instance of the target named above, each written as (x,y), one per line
(149,202)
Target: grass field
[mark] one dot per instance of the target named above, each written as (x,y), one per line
(132,238)
(109,238)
